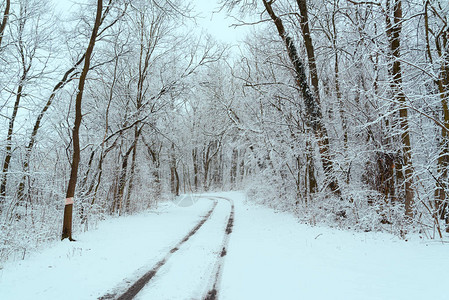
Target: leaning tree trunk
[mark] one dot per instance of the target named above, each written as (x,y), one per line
(311,98)
(5,20)
(67,223)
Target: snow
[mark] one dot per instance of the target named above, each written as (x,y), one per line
(188,273)
(100,259)
(270,256)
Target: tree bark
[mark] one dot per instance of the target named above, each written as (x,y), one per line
(5,20)
(131,176)
(394,28)
(67,222)
(442,47)
(337,84)
(311,98)
(195,168)
(155,157)
(122,179)
(174,176)
(234,165)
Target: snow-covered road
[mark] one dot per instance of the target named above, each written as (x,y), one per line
(269,255)
(190,273)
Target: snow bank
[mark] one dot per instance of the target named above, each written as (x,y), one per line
(99,259)
(272,256)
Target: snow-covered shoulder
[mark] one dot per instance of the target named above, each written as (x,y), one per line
(99,259)
(272,256)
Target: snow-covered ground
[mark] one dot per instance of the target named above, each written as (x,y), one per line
(269,256)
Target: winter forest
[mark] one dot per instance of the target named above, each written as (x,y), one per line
(334,110)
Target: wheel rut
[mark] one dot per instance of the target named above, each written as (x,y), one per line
(133,289)
(214,285)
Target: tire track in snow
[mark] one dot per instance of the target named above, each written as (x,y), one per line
(214,285)
(135,288)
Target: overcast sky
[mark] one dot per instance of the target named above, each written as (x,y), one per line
(217,23)
(210,19)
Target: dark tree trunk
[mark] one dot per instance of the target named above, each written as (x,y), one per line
(67,223)
(442,47)
(118,199)
(131,180)
(174,176)
(394,28)
(195,168)
(4,21)
(234,165)
(311,98)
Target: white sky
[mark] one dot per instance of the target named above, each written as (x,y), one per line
(216,23)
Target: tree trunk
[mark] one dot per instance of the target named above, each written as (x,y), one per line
(311,98)
(155,157)
(131,179)
(234,165)
(443,159)
(394,28)
(337,85)
(122,179)
(67,223)
(242,166)
(206,164)
(4,21)
(195,168)
(313,185)
(174,177)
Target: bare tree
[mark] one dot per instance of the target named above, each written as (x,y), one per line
(26,46)
(67,222)
(394,27)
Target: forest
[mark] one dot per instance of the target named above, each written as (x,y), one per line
(334,110)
